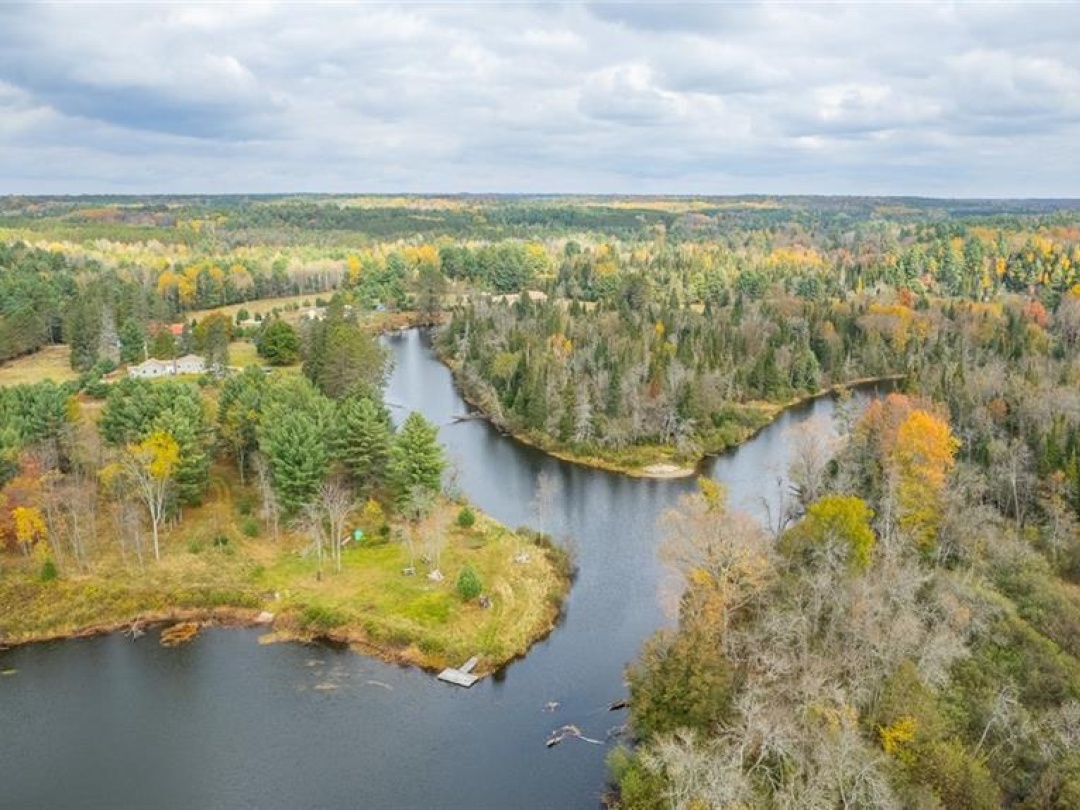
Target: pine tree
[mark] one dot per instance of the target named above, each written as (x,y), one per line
(416,458)
(294,441)
(362,441)
(185,423)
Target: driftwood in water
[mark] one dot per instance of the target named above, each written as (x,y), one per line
(179,634)
(467,417)
(567,731)
(617,705)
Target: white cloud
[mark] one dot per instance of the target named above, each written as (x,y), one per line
(956,99)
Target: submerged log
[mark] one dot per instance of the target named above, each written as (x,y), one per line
(179,634)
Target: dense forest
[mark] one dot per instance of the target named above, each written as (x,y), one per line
(905,634)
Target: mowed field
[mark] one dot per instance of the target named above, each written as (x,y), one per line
(50,363)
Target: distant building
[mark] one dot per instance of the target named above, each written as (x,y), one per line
(536,296)
(190,364)
(149,369)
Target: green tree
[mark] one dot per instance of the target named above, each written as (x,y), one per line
(469,586)
(293,435)
(279,343)
(363,437)
(185,421)
(416,458)
(341,359)
(211,337)
(240,413)
(429,287)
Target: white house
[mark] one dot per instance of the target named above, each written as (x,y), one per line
(149,369)
(189,364)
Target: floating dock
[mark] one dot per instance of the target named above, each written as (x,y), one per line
(462,676)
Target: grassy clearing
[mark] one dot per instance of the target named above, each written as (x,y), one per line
(213,569)
(419,620)
(243,354)
(288,304)
(49,363)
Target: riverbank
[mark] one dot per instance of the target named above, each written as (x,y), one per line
(743,422)
(370,604)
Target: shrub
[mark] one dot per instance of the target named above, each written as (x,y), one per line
(466,518)
(250,527)
(48,571)
(469,585)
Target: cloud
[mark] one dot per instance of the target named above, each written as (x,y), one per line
(958,99)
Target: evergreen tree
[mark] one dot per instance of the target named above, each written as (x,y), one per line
(362,440)
(293,436)
(279,343)
(239,414)
(416,458)
(341,359)
(185,422)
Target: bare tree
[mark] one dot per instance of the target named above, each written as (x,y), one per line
(417,505)
(704,539)
(435,528)
(269,510)
(336,502)
(813,446)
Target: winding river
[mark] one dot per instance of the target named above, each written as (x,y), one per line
(226,722)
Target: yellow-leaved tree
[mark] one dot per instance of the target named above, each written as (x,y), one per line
(29,527)
(149,467)
(924,454)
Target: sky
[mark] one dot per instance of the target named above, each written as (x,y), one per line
(947,100)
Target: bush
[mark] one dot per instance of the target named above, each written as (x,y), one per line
(97,388)
(250,527)
(469,585)
(48,571)
(466,518)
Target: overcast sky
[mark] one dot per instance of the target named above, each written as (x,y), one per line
(704,98)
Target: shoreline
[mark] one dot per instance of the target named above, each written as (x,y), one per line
(278,631)
(662,468)
(249,605)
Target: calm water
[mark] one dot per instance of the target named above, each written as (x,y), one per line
(226,722)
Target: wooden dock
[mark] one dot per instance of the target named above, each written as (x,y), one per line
(462,676)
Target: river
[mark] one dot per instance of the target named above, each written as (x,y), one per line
(228,723)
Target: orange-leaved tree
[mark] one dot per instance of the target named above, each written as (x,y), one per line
(924,455)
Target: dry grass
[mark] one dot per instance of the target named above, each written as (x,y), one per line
(263,306)
(243,354)
(49,363)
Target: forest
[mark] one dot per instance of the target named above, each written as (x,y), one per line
(905,634)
